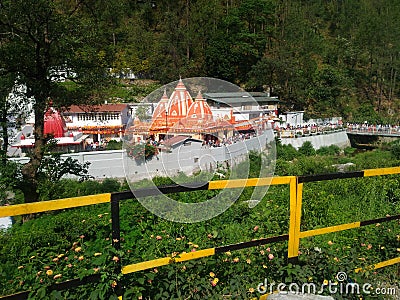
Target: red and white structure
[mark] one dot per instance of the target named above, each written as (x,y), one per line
(55,127)
(180,114)
(179,103)
(160,114)
(200,111)
(54,124)
(79,126)
(101,122)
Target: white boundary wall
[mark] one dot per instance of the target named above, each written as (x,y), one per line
(337,138)
(109,164)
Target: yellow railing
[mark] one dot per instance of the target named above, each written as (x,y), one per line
(293,237)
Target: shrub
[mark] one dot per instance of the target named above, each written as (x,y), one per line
(307,149)
(141,152)
(349,151)
(328,150)
(110,185)
(395,149)
(114,145)
(286,152)
(374,159)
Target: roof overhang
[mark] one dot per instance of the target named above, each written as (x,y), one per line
(235,98)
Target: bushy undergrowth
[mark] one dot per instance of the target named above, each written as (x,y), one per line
(63,245)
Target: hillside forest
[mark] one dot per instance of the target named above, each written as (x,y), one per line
(327,57)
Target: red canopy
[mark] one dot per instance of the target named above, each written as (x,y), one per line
(54,123)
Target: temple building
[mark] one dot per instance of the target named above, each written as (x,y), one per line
(54,126)
(180,114)
(100,122)
(79,126)
(179,103)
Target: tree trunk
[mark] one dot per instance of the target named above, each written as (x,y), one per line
(40,89)
(30,170)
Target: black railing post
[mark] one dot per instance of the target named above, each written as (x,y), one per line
(116,238)
(115,224)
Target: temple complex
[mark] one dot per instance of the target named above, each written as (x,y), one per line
(215,117)
(180,114)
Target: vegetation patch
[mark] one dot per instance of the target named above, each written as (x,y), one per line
(74,243)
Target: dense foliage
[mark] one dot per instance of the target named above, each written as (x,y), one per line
(53,169)
(325,57)
(60,42)
(62,245)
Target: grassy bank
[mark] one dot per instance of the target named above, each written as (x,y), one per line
(62,245)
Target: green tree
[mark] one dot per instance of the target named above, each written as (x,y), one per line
(142,112)
(292,54)
(52,169)
(285,152)
(327,94)
(240,41)
(40,38)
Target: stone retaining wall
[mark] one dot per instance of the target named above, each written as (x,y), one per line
(336,138)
